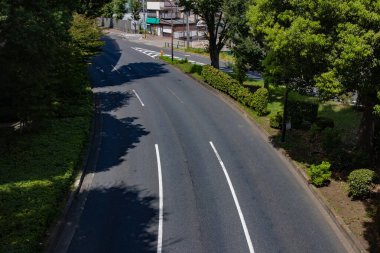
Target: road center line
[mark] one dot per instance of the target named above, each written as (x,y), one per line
(161,202)
(242,220)
(138,97)
(172,92)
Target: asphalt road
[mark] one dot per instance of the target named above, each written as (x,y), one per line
(222,187)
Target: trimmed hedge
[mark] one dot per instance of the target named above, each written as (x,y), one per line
(275,121)
(360,183)
(301,110)
(223,82)
(259,101)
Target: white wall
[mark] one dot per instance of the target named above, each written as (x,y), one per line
(154,5)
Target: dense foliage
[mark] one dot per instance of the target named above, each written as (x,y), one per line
(301,110)
(114,8)
(44,53)
(42,59)
(360,183)
(246,48)
(223,82)
(331,45)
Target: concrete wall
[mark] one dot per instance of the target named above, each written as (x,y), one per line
(122,25)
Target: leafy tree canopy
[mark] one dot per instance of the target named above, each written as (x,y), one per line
(332,45)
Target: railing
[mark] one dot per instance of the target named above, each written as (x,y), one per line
(179,44)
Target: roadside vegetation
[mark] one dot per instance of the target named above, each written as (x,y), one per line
(46,109)
(224,55)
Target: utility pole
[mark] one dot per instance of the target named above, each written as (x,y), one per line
(187,29)
(144,22)
(171,16)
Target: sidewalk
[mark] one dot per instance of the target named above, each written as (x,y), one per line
(157,41)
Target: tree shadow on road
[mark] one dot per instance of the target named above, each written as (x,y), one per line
(106,70)
(117,132)
(125,222)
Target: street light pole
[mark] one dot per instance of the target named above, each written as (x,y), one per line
(171,18)
(187,29)
(172,36)
(144,23)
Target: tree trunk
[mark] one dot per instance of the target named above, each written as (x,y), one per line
(367,130)
(285,115)
(214,55)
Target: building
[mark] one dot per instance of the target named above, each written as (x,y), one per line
(160,15)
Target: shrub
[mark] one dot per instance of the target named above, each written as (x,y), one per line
(223,82)
(324,122)
(195,68)
(300,109)
(276,121)
(360,183)
(260,101)
(319,174)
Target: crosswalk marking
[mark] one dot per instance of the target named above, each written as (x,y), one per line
(155,55)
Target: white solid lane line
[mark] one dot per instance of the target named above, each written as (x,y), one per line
(172,92)
(138,97)
(161,202)
(242,220)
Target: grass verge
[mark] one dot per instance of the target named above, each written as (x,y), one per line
(36,171)
(224,56)
(187,67)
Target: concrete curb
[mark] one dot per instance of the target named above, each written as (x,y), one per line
(355,244)
(57,227)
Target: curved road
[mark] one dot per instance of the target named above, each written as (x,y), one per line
(177,169)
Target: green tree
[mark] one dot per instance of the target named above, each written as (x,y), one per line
(213,13)
(34,35)
(247,49)
(135,8)
(42,50)
(116,8)
(91,8)
(332,45)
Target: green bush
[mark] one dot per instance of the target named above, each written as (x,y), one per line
(319,174)
(301,109)
(223,82)
(360,183)
(324,122)
(195,68)
(275,121)
(259,101)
